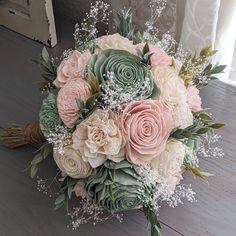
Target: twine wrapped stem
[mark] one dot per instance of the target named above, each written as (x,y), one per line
(21,135)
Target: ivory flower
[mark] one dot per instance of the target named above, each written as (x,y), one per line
(169,163)
(174,92)
(146,126)
(66,100)
(194,99)
(72,67)
(72,164)
(98,138)
(115,41)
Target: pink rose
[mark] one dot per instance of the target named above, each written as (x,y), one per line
(72,67)
(80,190)
(146,126)
(193,98)
(66,100)
(159,56)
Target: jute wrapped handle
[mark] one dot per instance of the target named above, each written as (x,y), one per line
(18,136)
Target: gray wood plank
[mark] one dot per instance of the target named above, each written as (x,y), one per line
(20,98)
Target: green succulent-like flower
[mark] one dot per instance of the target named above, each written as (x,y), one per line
(115,186)
(48,116)
(128,73)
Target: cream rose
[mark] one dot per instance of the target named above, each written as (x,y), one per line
(115,41)
(72,67)
(174,92)
(98,138)
(169,163)
(72,164)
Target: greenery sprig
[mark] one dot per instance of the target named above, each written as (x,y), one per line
(42,154)
(49,74)
(194,65)
(152,219)
(203,124)
(209,74)
(66,190)
(197,172)
(124,23)
(145,55)
(86,108)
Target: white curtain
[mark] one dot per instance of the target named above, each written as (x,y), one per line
(211,22)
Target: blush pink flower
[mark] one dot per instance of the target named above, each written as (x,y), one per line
(146,126)
(80,190)
(72,67)
(159,56)
(66,100)
(193,98)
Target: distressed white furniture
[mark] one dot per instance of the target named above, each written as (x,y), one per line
(32,18)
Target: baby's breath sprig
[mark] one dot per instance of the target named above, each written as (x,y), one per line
(156,7)
(86,32)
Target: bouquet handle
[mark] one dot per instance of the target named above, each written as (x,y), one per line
(21,135)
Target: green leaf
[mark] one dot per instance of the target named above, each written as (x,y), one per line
(42,154)
(37,159)
(196,171)
(49,70)
(216,125)
(80,103)
(90,103)
(218,69)
(124,23)
(153,220)
(60,199)
(45,55)
(58,206)
(203,130)
(155,92)
(33,170)
(69,191)
(94,83)
(66,190)
(205,117)
(146,49)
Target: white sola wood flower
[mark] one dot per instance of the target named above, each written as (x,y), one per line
(174,92)
(72,164)
(169,163)
(98,138)
(115,41)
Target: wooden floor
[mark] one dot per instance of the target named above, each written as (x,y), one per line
(26,212)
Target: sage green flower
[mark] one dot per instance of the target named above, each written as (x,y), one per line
(116,186)
(48,116)
(129,74)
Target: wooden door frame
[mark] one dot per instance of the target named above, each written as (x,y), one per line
(36,22)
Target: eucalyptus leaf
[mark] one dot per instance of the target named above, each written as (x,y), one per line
(33,170)
(60,199)
(45,55)
(217,125)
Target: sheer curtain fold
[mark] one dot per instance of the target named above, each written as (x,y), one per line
(211,22)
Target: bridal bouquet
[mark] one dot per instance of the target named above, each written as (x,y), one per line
(122,119)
